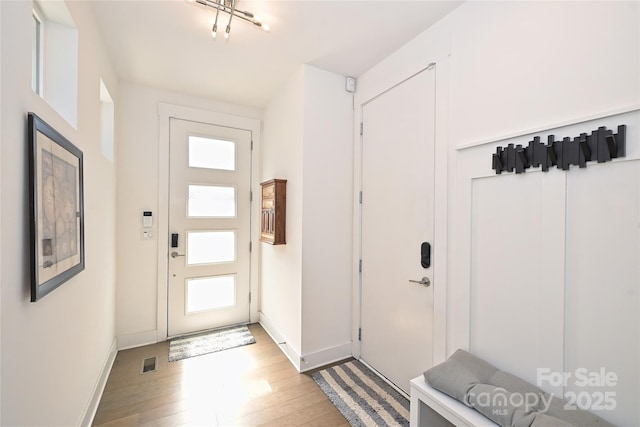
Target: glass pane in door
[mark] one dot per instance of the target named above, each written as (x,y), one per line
(210,293)
(210,247)
(212,153)
(211,201)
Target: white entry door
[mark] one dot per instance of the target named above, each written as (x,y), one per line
(209,225)
(397,218)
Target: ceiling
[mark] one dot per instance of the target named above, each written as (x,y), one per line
(168,43)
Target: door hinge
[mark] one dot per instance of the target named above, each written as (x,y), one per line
(361,128)
(251,196)
(360,266)
(249,297)
(361,197)
(359,334)
(252,145)
(250,246)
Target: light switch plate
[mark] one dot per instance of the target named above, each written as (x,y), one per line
(147,234)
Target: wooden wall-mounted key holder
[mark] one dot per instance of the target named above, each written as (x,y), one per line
(274,213)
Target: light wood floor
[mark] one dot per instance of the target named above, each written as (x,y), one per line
(245,386)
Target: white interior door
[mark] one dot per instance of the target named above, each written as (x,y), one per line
(397,217)
(209,225)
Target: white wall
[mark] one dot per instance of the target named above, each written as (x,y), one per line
(305,296)
(526,98)
(1,144)
(509,69)
(327,165)
(55,351)
(552,276)
(138,188)
(525,65)
(281,265)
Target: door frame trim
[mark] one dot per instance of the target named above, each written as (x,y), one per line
(166,112)
(441,179)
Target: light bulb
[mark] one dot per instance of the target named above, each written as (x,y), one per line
(227,31)
(214,31)
(266,27)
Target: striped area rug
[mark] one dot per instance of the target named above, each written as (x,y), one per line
(362,397)
(209,342)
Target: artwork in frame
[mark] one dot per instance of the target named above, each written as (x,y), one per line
(56,208)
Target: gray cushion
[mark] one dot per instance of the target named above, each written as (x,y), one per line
(458,374)
(504,398)
(513,383)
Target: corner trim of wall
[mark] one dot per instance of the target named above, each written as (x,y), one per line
(92,406)
(291,354)
(137,339)
(326,356)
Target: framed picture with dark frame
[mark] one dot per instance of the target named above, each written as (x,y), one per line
(56,208)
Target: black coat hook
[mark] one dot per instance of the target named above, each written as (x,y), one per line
(602,145)
(522,162)
(551,155)
(611,145)
(584,147)
(497,163)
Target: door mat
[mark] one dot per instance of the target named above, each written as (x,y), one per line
(209,342)
(362,397)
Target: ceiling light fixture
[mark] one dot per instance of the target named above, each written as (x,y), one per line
(229,7)
(214,30)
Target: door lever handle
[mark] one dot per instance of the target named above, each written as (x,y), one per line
(424,282)
(175,254)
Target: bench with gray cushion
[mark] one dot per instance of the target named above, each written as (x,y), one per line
(504,398)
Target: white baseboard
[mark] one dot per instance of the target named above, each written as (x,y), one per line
(325,357)
(92,408)
(280,340)
(137,339)
(310,360)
